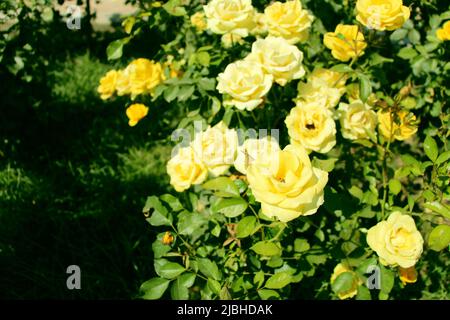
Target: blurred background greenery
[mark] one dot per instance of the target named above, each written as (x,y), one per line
(73,174)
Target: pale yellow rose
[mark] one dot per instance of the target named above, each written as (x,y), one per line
(107,85)
(246,84)
(311,92)
(198,20)
(443,33)
(229,40)
(401,130)
(311,125)
(278,58)
(288,20)
(328,78)
(135,113)
(396,240)
(407,275)
(216,147)
(382,14)
(287,186)
(260,24)
(357,118)
(345,43)
(255,150)
(230,16)
(185,169)
(340,269)
(144,75)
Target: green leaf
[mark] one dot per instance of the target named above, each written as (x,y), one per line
(266,294)
(209,268)
(154,288)
(278,280)
(230,207)
(179,289)
(439,237)
(115,49)
(395,186)
(343,282)
(301,245)
(365,87)
(190,222)
(438,208)
(399,34)
(341,68)
(259,278)
(414,36)
(225,294)
(223,184)
(172,201)
(171,93)
(443,157)
(246,227)
(173,8)
(266,248)
(356,192)
(363,293)
(431,148)
(214,285)
(160,216)
(207,84)
(171,270)
(376,59)
(407,53)
(387,279)
(185,93)
(203,58)
(324,164)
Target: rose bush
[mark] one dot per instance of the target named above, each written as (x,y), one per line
(314,155)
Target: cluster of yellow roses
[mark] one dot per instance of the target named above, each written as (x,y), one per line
(444,32)
(236,19)
(141,76)
(283,181)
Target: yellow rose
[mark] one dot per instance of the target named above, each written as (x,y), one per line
(350,293)
(311,92)
(345,43)
(230,16)
(228,40)
(246,84)
(185,169)
(255,150)
(216,147)
(107,85)
(311,125)
(135,113)
(287,186)
(144,75)
(288,20)
(402,129)
(408,275)
(260,24)
(198,21)
(382,14)
(278,58)
(443,34)
(396,240)
(328,78)
(123,82)
(356,119)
